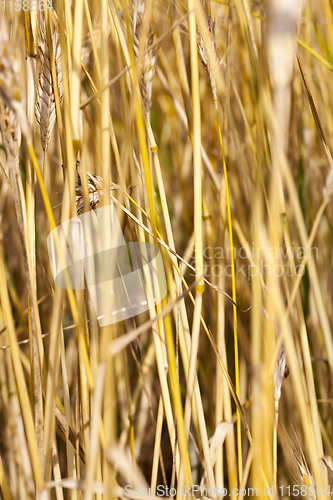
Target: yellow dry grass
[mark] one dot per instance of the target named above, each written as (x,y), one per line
(213,121)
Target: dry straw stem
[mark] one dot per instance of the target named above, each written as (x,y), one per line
(182,440)
(19,375)
(178,50)
(281,26)
(197,175)
(31,228)
(12,108)
(207,51)
(307,250)
(76,70)
(185,351)
(171,241)
(153,146)
(300,391)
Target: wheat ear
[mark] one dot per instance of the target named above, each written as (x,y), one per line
(11,89)
(148,60)
(45,108)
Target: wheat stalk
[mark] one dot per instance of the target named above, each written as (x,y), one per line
(11,138)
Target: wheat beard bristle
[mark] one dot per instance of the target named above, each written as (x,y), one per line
(45,108)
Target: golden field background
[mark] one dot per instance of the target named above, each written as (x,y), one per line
(214,120)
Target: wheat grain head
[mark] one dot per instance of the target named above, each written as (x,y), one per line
(11,89)
(148,61)
(45,108)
